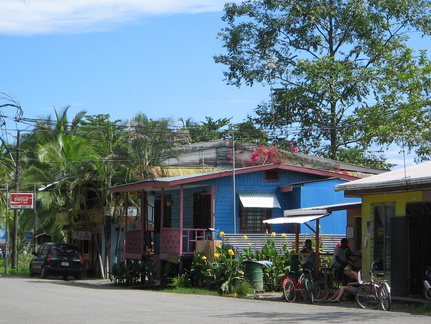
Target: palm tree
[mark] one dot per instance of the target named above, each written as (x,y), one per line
(151,143)
(55,154)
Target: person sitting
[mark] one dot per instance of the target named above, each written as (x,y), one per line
(351,287)
(340,258)
(307,259)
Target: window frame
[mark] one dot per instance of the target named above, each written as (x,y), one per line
(271,178)
(247,225)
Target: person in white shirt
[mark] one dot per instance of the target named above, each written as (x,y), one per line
(340,257)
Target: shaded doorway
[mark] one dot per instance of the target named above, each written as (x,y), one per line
(418,225)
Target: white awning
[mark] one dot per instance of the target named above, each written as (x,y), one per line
(294,219)
(259,200)
(304,212)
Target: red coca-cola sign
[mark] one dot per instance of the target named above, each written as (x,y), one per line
(21,200)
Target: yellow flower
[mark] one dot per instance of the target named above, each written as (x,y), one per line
(283,235)
(216,255)
(221,234)
(245,237)
(204,258)
(273,234)
(231,252)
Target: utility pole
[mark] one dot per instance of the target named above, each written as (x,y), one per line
(15,213)
(234,182)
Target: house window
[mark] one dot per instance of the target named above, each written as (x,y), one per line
(272,176)
(382,215)
(251,219)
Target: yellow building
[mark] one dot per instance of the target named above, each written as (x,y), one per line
(396,224)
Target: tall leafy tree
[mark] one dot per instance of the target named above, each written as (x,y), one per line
(334,67)
(208,130)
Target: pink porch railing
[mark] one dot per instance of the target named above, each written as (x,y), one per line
(134,243)
(170,239)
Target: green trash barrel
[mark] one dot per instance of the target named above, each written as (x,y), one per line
(253,273)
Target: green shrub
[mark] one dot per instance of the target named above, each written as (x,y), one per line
(243,288)
(280,258)
(181,281)
(221,274)
(133,272)
(22,265)
(225,273)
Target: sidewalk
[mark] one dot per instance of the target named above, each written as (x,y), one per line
(270,296)
(399,303)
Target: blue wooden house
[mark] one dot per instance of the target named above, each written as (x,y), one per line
(172,214)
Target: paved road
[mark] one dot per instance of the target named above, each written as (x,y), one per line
(33,300)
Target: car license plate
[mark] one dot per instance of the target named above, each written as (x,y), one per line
(65,264)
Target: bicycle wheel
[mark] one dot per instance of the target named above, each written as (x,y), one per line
(289,292)
(386,299)
(308,285)
(320,290)
(365,297)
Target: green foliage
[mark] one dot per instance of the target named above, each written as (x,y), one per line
(221,274)
(423,310)
(341,73)
(190,291)
(208,130)
(133,272)
(180,281)
(224,271)
(280,258)
(23,263)
(243,288)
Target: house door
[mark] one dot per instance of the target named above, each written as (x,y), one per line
(419,244)
(399,264)
(201,210)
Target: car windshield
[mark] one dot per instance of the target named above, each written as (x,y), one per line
(65,250)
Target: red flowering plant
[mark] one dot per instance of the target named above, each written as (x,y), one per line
(342,171)
(265,155)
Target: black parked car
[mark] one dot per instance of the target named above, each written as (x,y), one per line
(57,259)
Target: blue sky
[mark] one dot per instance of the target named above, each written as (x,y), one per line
(121,60)
(121,57)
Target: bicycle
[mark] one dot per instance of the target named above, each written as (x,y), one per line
(375,293)
(306,287)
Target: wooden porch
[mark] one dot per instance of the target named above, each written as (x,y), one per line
(173,241)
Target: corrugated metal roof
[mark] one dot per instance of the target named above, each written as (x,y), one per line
(412,175)
(192,178)
(325,208)
(259,200)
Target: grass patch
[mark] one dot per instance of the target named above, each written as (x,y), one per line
(23,265)
(423,310)
(191,291)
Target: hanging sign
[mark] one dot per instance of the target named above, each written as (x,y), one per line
(21,200)
(81,235)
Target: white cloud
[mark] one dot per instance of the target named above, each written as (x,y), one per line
(74,16)
(395,155)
